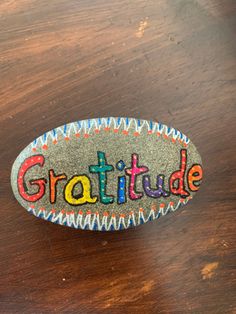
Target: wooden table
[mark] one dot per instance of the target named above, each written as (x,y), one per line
(174,61)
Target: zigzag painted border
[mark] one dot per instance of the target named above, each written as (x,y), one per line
(89,221)
(86,128)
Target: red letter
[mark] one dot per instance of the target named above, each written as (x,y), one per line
(179,176)
(27,164)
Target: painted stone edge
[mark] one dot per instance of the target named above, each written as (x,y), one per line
(89,127)
(93,222)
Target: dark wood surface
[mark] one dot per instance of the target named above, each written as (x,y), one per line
(174,61)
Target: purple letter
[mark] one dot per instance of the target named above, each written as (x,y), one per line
(154,193)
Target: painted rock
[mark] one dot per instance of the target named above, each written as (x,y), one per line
(107,173)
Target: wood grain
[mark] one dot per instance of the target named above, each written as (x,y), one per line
(174,61)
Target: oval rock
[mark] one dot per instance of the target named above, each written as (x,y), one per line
(106,173)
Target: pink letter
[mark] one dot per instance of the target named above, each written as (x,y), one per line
(133,172)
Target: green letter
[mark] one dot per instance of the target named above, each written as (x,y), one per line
(101,170)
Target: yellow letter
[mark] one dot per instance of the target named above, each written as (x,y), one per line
(86,191)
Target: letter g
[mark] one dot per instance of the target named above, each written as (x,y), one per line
(26,165)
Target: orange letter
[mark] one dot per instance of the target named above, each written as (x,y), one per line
(194,175)
(53,183)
